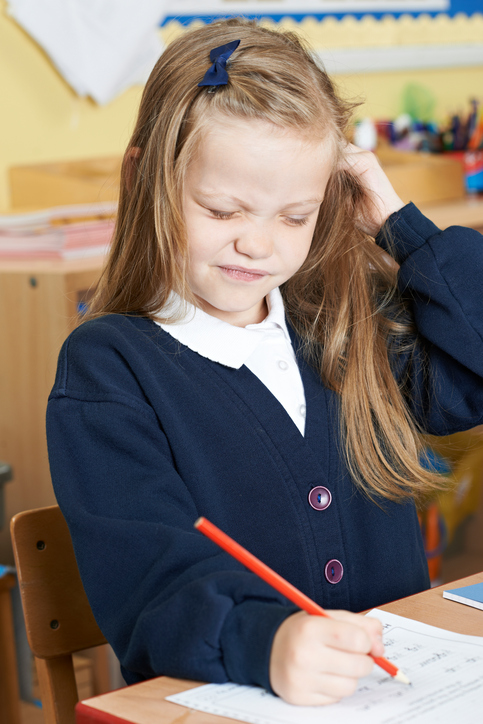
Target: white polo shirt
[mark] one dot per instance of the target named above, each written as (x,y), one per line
(265,348)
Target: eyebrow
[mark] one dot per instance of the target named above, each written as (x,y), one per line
(225,197)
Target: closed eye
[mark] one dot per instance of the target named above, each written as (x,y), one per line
(221,214)
(297,222)
(290,220)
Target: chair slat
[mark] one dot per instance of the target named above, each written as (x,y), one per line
(58,616)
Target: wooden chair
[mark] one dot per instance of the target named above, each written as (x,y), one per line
(57,614)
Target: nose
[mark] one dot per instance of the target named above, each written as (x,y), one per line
(256,241)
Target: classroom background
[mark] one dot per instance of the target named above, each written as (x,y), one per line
(416,68)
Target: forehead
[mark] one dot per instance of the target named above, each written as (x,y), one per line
(260,158)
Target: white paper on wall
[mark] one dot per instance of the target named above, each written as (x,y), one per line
(100,47)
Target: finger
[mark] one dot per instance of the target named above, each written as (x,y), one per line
(344,664)
(337,687)
(372,626)
(353,157)
(327,688)
(309,698)
(346,635)
(312,688)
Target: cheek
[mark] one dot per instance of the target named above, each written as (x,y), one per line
(205,239)
(301,247)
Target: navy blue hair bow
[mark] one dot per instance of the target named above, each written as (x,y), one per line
(216,74)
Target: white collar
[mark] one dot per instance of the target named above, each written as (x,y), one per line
(223,342)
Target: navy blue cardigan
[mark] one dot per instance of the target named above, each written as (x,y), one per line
(145,435)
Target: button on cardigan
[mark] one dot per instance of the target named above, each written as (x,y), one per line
(145,435)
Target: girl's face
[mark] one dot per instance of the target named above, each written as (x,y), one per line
(252,195)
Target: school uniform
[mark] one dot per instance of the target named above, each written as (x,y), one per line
(146,434)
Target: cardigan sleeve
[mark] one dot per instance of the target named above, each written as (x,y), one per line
(441,277)
(166,598)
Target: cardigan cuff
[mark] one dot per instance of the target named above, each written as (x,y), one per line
(405,231)
(246,640)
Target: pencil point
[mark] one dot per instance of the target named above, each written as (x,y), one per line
(198,521)
(402,678)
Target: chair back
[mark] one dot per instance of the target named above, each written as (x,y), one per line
(58,617)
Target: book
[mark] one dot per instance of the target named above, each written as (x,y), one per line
(64,232)
(470,595)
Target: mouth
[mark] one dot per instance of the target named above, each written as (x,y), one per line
(241,274)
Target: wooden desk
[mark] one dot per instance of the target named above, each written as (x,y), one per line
(145,703)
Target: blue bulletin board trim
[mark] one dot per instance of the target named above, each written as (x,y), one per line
(188,19)
(467,7)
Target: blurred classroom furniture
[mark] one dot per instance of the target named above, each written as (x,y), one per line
(145,703)
(39,302)
(466,211)
(9,687)
(58,617)
(435,183)
(5,477)
(40,186)
(446,521)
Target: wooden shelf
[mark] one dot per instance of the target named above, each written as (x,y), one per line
(462,212)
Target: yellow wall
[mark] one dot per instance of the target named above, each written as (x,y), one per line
(42,120)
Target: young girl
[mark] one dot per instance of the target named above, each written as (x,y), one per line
(254,356)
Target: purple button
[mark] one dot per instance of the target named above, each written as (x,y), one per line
(320,498)
(334,571)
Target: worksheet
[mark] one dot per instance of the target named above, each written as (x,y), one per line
(445,669)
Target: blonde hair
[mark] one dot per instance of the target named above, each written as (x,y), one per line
(342,302)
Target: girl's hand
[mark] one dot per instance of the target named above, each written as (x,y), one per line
(385,201)
(317,660)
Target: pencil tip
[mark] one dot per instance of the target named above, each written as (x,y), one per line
(402,678)
(198,521)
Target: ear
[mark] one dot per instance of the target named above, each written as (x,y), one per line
(130,165)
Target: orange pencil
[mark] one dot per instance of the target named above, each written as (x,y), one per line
(280,584)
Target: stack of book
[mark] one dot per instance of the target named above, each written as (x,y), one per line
(64,232)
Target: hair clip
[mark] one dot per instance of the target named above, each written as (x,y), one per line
(216,74)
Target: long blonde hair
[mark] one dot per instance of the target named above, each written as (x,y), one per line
(342,302)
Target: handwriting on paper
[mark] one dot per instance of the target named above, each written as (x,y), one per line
(446,671)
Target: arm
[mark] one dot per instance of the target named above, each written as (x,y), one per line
(440,276)
(165,597)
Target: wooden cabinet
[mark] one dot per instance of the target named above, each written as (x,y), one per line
(39,302)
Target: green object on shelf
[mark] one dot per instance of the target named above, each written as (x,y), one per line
(418,102)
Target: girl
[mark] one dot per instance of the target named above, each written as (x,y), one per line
(253,356)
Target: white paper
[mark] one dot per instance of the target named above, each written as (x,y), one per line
(100,47)
(445,668)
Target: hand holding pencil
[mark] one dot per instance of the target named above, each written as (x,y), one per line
(319,660)
(316,659)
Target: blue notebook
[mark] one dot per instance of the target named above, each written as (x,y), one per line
(470,595)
